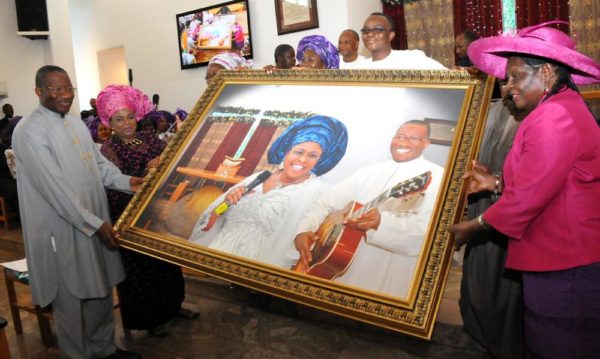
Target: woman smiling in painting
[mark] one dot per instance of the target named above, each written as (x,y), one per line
(261,224)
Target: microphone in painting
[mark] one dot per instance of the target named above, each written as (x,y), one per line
(224,206)
(130,77)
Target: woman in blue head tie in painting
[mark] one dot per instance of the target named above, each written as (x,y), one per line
(261,224)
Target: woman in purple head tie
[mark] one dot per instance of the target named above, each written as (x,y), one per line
(316,52)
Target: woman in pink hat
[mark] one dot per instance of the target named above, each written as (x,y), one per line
(550,185)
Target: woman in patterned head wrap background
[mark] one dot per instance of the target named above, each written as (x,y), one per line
(316,52)
(261,224)
(98,130)
(153,291)
(226,61)
(164,123)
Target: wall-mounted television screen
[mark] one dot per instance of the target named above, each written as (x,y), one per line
(206,32)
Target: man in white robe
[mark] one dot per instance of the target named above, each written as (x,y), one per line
(71,247)
(386,259)
(377,34)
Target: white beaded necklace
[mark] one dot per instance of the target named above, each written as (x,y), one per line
(280,184)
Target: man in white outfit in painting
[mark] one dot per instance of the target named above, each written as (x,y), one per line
(386,258)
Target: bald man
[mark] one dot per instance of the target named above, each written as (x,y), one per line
(348,49)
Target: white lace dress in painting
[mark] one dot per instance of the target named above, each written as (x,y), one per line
(261,226)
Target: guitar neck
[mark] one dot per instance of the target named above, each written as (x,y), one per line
(403,189)
(372,204)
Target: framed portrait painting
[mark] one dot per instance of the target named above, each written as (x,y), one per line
(330,188)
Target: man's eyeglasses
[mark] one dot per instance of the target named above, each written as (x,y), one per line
(411,139)
(60,90)
(374,31)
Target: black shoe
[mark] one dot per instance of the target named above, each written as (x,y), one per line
(122,354)
(159,331)
(187,314)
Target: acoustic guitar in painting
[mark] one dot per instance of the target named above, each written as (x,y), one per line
(334,250)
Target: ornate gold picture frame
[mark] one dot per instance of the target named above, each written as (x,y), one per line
(226,138)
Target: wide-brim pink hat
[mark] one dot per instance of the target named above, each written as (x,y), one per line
(491,54)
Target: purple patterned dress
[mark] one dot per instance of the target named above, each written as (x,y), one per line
(153,290)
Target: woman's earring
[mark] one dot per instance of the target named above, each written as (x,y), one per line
(281,165)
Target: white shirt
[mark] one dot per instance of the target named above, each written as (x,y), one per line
(351,65)
(385,262)
(403,60)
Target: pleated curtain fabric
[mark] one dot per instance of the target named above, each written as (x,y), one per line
(429,27)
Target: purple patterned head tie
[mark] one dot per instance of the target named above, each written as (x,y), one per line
(322,47)
(181,113)
(118,97)
(156,115)
(92,125)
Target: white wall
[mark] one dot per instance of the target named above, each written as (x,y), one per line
(84,38)
(62,49)
(147,30)
(19,60)
(112,67)
(151,47)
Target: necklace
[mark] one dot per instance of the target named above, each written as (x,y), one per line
(135,142)
(280,184)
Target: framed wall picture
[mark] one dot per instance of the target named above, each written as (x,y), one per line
(327,138)
(442,131)
(296,15)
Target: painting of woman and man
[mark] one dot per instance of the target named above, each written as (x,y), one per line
(340,186)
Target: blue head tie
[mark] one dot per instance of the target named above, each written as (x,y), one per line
(329,133)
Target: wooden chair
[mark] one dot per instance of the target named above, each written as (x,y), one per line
(4,214)
(44,315)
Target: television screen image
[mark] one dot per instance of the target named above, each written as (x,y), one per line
(206,32)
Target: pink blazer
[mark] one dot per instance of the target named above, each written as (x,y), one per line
(550,207)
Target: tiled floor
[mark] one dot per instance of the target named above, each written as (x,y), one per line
(235,323)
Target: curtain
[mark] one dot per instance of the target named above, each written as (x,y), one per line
(204,151)
(484,17)
(531,12)
(229,145)
(585,28)
(429,28)
(263,163)
(396,12)
(256,148)
(187,159)
(585,25)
